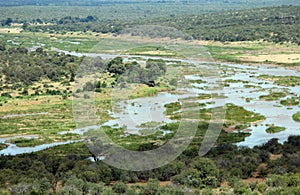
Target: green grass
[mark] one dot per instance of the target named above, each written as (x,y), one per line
(234,115)
(239,115)
(152,51)
(252,86)
(46,126)
(151,124)
(240,127)
(204,96)
(62,42)
(78,148)
(235,81)
(273,96)
(58,119)
(229,54)
(198,81)
(94,44)
(23,142)
(296,117)
(146,91)
(172,107)
(131,142)
(288,81)
(293,101)
(275,129)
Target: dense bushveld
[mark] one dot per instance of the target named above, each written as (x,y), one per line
(275,24)
(66,170)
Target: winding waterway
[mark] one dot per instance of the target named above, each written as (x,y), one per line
(151,109)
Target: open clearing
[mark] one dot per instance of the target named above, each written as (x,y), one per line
(279,58)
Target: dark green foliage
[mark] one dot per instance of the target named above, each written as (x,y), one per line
(240,188)
(21,66)
(202,172)
(152,187)
(279,24)
(6,94)
(135,73)
(120,187)
(7,22)
(272,146)
(283,181)
(41,172)
(53,92)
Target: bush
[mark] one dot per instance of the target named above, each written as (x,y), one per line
(6,95)
(261,187)
(240,188)
(152,187)
(120,187)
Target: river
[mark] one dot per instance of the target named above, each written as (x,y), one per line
(151,109)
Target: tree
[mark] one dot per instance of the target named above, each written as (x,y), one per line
(202,172)
(206,167)
(272,146)
(8,21)
(72,69)
(117,69)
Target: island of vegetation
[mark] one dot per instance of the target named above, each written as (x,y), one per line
(275,129)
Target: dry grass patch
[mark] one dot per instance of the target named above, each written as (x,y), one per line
(10,30)
(277,58)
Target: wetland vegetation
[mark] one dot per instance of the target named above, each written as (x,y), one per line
(288,81)
(296,117)
(275,129)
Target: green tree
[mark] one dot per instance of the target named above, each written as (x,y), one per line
(8,21)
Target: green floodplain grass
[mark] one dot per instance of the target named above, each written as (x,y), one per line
(273,96)
(235,115)
(288,81)
(296,117)
(275,129)
(100,43)
(292,101)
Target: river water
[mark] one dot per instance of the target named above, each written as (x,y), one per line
(12,149)
(151,109)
